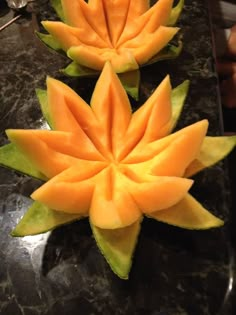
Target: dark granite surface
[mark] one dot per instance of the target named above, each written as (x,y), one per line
(175,272)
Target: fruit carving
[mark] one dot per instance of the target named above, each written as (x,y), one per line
(128,33)
(113,166)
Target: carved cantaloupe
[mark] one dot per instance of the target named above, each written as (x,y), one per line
(113,166)
(128,33)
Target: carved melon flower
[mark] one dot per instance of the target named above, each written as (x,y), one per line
(128,33)
(113,166)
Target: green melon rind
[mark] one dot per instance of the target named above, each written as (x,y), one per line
(169,52)
(11,157)
(130,81)
(50,42)
(115,248)
(178,97)
(57,6)
(188,214)
(76,70)
(40,219)
(175,13)
(43,101)
(213,150)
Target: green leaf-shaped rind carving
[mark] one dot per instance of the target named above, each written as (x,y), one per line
(11,156)
(130,81)
(118,246)
(40,219)
(188,214)
(169,52)
(175,13)
(57,6)
(178,97)
(43,101)
(76,70)
(213,150)
(50,42)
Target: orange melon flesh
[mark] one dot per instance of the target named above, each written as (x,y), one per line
(112,108)
(58,143)
(160,193)
(142,127)
(97,21)
(159,14)
(116,12)
(63,101)
(184,150)
(138,154)
(160,113)
(95,58)
(64,34)
(188,214)
(83,16)
(174,158)
(71,12)
(112,206)
(69,36)
(137,8)
(59,97)
(144,47)
(70,191)
(74,15)
(36,150)
(151,19)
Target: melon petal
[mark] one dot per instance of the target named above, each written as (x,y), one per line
(77,15)
(188,214)
(116,12)
(112,206)
(40,219)
(145,46)
(160,193)
(142,153)
(64,35)
(212,151)
(148,20)
(115,248)
(97,21)
(70,191)
(112,108)
(66,106)
(35,149)
(158,102)
(180,153)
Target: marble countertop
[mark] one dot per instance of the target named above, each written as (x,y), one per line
(175,272)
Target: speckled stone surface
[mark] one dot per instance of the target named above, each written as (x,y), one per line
(175,272)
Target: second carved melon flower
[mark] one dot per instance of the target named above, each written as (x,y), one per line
(128,33)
